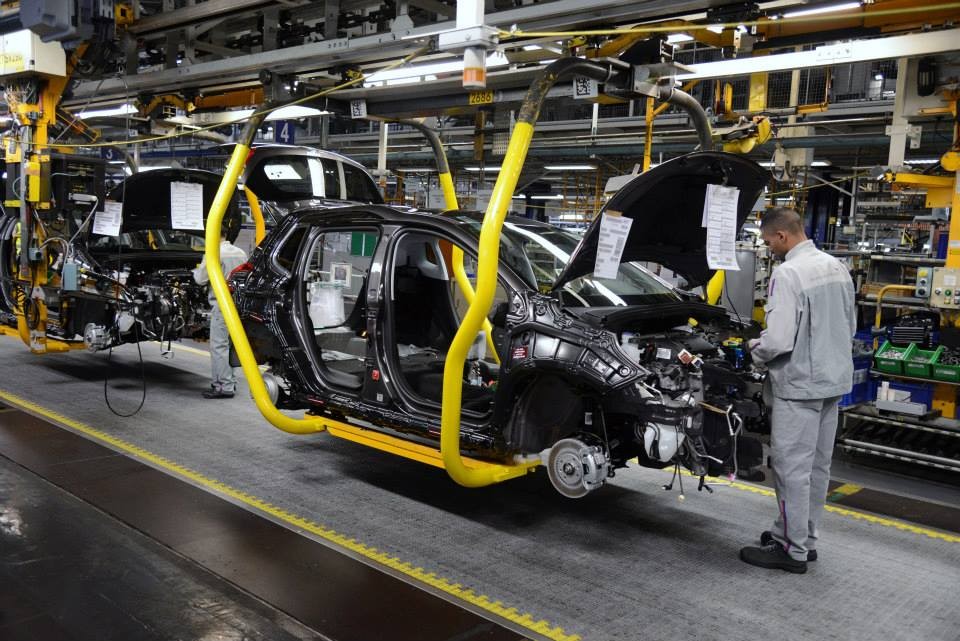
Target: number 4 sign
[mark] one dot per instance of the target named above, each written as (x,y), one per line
(283,132)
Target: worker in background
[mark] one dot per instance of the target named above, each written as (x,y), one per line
(223,382)
(811,319)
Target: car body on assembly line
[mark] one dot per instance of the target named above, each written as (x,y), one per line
(353,309)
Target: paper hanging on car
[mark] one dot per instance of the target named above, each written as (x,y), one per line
(186,206)
(614,230)
(720,219)
(108,221)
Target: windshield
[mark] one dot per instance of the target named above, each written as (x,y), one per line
(150,240)
(538,253)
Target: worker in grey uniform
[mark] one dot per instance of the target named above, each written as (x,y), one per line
(223,382)
(806,346)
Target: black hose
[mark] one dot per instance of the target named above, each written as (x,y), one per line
(530,109)
(694,109)
(433,138)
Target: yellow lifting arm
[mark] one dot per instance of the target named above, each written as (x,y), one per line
(219,286)
(260,226)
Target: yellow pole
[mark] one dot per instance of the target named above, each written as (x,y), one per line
(260,226)
(219,286)
(649,115)
(715,287)
(459,273)
(489,257)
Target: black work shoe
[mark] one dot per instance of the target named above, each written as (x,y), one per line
(217,393)
(766,538)
(772,557)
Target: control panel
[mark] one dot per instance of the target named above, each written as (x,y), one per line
(945,288)
(924,277)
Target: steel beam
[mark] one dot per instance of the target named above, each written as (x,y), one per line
(189,15)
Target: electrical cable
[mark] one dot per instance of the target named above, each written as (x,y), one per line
(143,375)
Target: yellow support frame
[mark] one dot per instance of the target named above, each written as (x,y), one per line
(465,471)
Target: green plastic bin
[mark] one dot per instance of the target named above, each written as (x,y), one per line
(919,362)
(883,361)
(944,372)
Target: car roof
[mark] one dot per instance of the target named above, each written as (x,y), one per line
(274,149)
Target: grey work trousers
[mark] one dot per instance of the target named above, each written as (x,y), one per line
(222,375)
(801,441)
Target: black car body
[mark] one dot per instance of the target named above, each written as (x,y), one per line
(106,290)
(353,309)
(139,285)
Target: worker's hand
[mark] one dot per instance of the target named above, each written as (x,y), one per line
(752,343)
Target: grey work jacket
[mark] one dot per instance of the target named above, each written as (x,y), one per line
(231,257)
(811,319)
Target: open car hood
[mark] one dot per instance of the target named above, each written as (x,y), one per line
(146,200)
(666,205)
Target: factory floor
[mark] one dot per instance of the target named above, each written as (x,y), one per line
(194,519)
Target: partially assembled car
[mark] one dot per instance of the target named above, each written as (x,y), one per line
(353,309)
(111,290)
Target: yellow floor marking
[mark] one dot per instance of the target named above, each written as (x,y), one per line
(419,574)
(854,514)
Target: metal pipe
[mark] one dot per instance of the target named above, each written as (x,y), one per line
(487,268)
(260,225)
(450,201)
(693,108)
(218,284)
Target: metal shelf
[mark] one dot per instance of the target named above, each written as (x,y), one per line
(875,372)
(908,260)
(860,447)
(941,426)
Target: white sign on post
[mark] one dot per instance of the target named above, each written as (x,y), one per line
(614,230)
(584,87)
(108,221)
(358,108)
(186,206)
(720,219)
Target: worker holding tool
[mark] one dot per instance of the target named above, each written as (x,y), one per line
(806,346)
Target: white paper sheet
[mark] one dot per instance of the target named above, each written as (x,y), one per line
(108,221)
(720,219)
(186,206)
(614,231)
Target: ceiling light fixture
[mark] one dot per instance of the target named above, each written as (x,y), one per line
(570,167)
(547,197)
(843,6)
(119,110)
(921,161)
(488,168)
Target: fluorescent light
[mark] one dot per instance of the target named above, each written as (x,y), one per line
(416,170)
(519,197)
(120,110)
(570,167)
(292,112)
(676,38)
(879,76)
(715,28)
(922,161)
(768,164)
(152,167)
(547,197)
(487,168)
(843,6)
(497,59)
(821,163)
